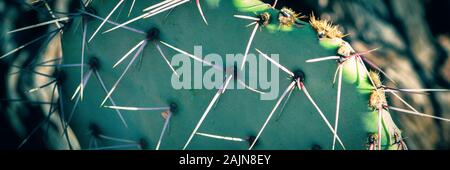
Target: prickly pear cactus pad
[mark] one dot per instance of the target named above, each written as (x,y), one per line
(134,104)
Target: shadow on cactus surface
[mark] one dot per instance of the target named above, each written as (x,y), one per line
(120,60)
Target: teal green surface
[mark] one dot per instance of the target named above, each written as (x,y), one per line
(239,113)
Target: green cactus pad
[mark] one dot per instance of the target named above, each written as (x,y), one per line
(238,113)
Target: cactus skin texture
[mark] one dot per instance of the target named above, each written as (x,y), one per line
(238,113)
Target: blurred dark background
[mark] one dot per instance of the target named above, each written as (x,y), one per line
(414,36)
